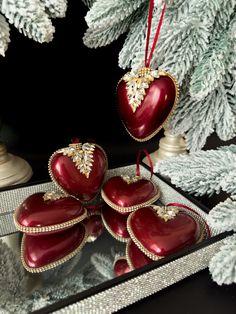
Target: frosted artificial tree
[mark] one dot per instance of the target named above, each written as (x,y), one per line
(197,45)
(30,17)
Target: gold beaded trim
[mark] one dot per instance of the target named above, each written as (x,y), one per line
(127,255)
(56,263)
(130,208)
(56,227)
(119,238)
(58,185)
(154,257)
(161,73)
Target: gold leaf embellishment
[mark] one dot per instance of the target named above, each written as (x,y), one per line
(137,83)
(166,212)
(52,196)
(82,156)
(129,179)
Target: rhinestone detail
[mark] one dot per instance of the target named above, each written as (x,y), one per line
(166,212)
(136,85)
(121,295)
(53,196)
(129,179)
(82,156)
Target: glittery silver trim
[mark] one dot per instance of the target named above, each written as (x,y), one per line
(142,286)
(133,290)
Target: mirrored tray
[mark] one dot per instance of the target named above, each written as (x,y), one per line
(86,283)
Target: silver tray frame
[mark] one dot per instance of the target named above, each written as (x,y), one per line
(118,293)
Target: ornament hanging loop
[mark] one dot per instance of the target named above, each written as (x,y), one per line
(150,16)
(138,162)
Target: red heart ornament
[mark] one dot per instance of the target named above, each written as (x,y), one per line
(157,235)
(94,227)
(121,266)
(145,101)
(47,251)
(79,170)
(49,212)
(135,257)
(115,223)
(126,194)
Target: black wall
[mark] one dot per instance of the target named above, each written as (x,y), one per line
(36,78)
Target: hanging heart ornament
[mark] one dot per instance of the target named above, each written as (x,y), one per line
(146,100)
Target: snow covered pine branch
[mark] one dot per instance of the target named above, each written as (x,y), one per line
(196,44)
(30,17)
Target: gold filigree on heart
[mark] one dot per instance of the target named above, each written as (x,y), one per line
(82,156)
(137,83)
(166,212)
(53,196)
(129,179)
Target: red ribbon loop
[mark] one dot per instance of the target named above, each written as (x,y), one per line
(138,162)
(150,15)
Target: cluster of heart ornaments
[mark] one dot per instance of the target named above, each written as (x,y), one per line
(151,232)
(56,225)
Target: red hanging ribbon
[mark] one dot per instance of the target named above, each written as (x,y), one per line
(138,162)
(150,15)
(186,207)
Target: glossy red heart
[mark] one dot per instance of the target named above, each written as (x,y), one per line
(37,216)
(135,257)
(115,223)
(156,237)
(70,179)
(158,103)
(126,197)
(121,266)
(48,251)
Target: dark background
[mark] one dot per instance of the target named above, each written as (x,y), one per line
(56,91)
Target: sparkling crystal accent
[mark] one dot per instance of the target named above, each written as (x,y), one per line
(121,295)
(133,290)
(128,179)
(166,212)
(82,156)
(137,83)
